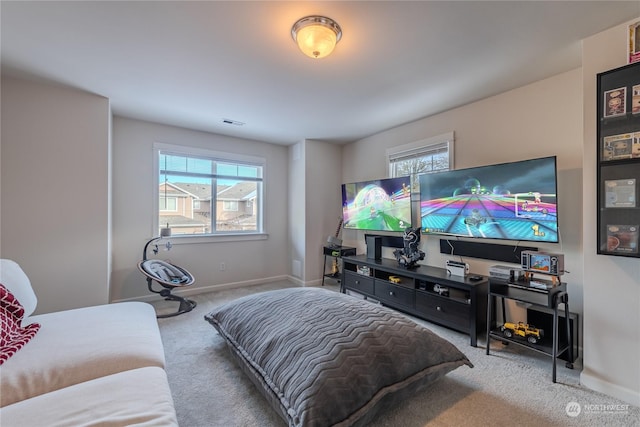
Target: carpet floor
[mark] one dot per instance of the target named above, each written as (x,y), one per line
(510,387)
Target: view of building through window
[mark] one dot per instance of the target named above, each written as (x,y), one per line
(414,159)
(416,165)
(200,196)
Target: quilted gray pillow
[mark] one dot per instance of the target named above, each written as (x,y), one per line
(327,359)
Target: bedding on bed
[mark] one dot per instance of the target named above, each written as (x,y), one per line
(322,358)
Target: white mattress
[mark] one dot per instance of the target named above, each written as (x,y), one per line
(78,345)
(139,397)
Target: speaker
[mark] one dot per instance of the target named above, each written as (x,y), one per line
(374,247)
(490,251)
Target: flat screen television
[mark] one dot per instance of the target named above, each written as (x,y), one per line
(509,201)
(378,205)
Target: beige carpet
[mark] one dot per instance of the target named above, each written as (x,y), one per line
(510,387)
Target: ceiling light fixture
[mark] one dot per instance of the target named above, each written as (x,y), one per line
(316,35)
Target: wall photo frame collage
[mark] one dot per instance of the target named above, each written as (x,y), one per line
(615,103)
(618,168)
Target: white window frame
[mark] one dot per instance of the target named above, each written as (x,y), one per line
(421,148)
(259,234)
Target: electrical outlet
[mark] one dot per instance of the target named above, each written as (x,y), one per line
(223,266)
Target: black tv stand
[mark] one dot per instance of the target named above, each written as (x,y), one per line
(430,293)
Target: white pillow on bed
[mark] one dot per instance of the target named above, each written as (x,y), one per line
(17,282)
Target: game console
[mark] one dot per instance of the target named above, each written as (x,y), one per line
(504,272)
(500,272)
(457,268)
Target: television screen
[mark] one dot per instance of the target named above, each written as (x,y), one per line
(510,201)
(380,205)
(540,263)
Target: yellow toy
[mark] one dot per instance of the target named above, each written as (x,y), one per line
(524,330)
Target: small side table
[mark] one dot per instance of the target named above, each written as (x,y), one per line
(523,291)
(335,252)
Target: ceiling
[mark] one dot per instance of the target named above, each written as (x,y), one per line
(195,64)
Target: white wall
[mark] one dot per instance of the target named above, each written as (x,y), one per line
(541,119)
(55,191)
(323,201)
(314,206)
(612,284)
(297,210)
(247,262)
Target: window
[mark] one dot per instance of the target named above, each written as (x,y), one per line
(168,204)
(230,205)
(202,192)
(425,156)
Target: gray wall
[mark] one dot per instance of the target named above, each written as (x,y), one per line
(314,207)
(246,261)
(323,201)
(55,210)
(611,284)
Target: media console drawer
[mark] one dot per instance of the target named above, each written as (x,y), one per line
(386,292)
(358,282)
(451,312)
(457,302)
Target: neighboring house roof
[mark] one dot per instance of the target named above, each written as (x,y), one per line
(179,220)
(171,190)
(198,191)
(239,191)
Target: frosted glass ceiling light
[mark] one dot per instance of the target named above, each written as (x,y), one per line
(316,35)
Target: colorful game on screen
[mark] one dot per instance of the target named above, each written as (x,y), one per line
(380,205)
(510,201)
(541,263)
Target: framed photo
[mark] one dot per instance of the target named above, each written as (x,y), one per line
(616,147)
(615,102)
(635,99)
(622,238)
(635,149)
(634,42)
(620,193)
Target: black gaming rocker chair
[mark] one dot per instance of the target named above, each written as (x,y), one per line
(168,276)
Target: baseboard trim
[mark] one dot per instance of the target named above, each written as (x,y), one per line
(597,384)
(212,288)
(224,286)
